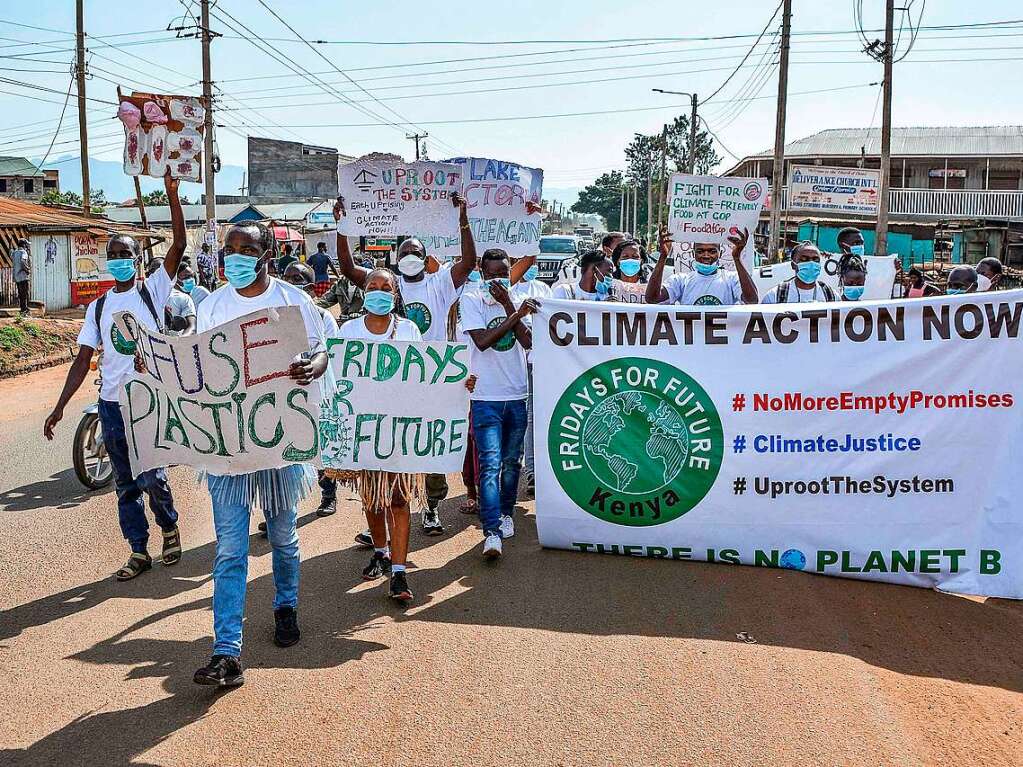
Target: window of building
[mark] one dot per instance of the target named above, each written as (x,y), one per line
(3,185)
(30,186)
(946,178)
(49,183)
(1003,180)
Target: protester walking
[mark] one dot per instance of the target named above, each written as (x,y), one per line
(852,276)
(708,284)
(596,279)
(187,284)
(529,287)
(805,286)
(21,258)
(322,267)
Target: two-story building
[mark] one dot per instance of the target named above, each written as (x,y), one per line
(956,193)
(22,180)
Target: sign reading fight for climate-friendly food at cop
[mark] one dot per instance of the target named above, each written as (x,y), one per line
(712,208)
(398,406)
(730,437)
(384,196)
(495,192)
(845,190)
(221,400)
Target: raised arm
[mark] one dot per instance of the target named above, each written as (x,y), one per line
(655,294)
(467,261)
(172,260)
(749,288)
(519,269)
(357,274)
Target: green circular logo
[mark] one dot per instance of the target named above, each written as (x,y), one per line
(707,301)
(507,340)
(120,343)
(635,442)
(419,314)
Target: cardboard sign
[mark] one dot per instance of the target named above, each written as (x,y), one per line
(710,208)
(387,197)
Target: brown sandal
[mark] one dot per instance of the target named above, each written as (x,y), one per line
(171,547)
(136,565)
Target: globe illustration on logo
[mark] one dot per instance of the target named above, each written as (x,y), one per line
(419,314)
(793,559)
(121,344)
(507,341)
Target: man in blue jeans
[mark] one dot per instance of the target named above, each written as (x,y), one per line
(497,357)
(145,300)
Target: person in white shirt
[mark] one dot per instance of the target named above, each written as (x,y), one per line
(708,284)
(804,287)
(596,279)
(386,495)
(180,314)
(497,357)
(629,258)
(145,301)
(187,284)
(249,248)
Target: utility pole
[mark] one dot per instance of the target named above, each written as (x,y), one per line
(207,95)
(662,188)
(83,132)
(417,137)
(621,211)
(649,200)
(776,241)
(881,235)
(692,138)
(635,209)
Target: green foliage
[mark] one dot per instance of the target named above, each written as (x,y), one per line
(53,197)
(603,198)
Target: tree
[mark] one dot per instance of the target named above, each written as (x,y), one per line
(603,197)
(157,197)
(98,200)
(678,147)
(53,197)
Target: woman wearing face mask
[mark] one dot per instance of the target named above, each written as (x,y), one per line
(385,495)
(852,277)
(596,279)
(629,286)
(249,250)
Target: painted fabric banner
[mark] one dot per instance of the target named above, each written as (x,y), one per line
(496,192)
(387,197)
(399,406)
(220,400)
(865,440)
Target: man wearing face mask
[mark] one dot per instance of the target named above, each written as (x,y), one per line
(805,287)
(962,279)
(850,242)
(708,284)
(186,284)
(428,297)
(989,274)
(145,301)
(595,280)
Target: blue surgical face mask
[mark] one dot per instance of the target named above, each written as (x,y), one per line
(474,275)
(852,292)
(630,267)
(707,269)
(502,281)
(379,302)
(531,273)
(240,269)
(123,269)
(808,271)
(856,250)
(603,286)
(188,285)
(954,291)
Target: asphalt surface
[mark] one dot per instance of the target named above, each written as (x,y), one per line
(547,658)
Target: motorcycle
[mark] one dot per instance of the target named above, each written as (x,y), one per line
(89,454)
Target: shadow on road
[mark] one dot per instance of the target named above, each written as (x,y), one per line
(902,629)
(61,491)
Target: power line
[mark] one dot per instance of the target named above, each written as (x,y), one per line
(756,42)
(60,120)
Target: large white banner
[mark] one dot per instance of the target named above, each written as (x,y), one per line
(867,440)
(495,192)
(843,190)
(221,400)
(387,197)
(398,406)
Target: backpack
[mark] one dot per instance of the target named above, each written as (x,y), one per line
(147,299)
(783,291)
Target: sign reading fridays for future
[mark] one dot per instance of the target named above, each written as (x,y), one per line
(495,192)
(385,196)
(724,436)
(399,406)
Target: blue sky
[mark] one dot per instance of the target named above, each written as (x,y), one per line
(979,89)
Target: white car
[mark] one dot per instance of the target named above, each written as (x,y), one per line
(555,249)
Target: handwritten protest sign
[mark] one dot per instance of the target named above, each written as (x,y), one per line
(386,197)
(496,192)
(710,208)
(401,406)
(220,400)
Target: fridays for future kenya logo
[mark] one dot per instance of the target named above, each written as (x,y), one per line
(635,442)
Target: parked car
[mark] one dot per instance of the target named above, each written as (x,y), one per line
(555,249)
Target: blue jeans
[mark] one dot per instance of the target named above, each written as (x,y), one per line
(231,566)
(528,445)
(131,510)
(498,428)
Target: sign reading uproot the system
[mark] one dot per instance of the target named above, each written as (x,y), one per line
(711,208)
(496,192)
(220,400)
(386,197)
(399,406)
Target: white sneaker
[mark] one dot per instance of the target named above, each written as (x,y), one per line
(507,527)
(492,546)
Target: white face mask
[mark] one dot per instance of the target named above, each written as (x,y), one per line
(411,265)
(983,283)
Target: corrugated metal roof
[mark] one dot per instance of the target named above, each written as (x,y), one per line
(19,166)
(19,213)
(980,141)
(160,214)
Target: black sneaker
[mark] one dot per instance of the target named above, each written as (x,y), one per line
(326,507)
(378,567)
(431,522)
(286,631)
(262,530)
(364,539)
(399,588)
(221,671)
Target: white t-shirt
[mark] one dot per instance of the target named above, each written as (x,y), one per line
(118,364)
(574,292)
(225,304)
(629,292)
(180,304)
(694,289)
(406,330)
(796,295)
(330,329)
(529,289)
(198,294)
(501,369)
(428,302)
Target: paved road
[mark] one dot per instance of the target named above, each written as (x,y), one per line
(549,658)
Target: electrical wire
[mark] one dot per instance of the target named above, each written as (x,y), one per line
(756,42)
(60,120)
